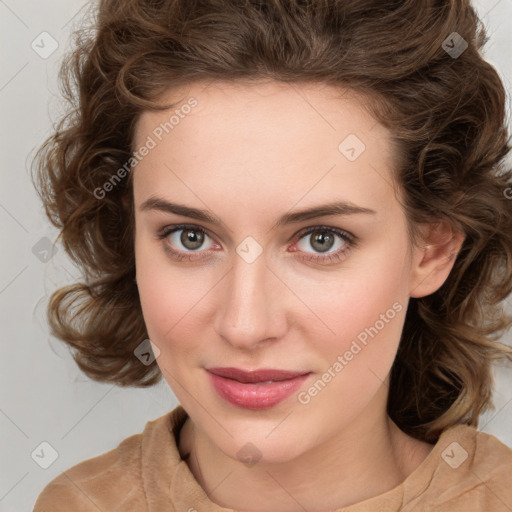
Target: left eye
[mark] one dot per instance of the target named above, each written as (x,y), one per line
(323,240)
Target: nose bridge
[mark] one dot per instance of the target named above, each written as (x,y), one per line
(248,313)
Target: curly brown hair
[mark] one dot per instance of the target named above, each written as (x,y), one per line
(443,103)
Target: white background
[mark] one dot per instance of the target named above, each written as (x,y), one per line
(44,397)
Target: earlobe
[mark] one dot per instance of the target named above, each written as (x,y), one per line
(433,261)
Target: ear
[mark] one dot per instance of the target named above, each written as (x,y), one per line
(433,260)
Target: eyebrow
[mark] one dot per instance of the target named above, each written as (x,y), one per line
(336,208)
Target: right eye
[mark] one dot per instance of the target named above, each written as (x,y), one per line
(184,241)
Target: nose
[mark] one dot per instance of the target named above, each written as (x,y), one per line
(252,309)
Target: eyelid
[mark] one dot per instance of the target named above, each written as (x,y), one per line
(349,237)
(168,229)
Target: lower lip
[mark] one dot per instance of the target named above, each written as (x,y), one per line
(255,396)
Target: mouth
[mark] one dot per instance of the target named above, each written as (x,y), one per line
(257,389)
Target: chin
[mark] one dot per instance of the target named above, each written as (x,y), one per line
(262,449)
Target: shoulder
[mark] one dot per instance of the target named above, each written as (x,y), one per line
(492,462)
(82,487)
(111,481)
(485,454)
(473,471)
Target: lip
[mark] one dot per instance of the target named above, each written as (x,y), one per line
(257,389)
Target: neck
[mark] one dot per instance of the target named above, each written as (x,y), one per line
(367,459)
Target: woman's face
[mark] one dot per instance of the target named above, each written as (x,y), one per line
(251,284)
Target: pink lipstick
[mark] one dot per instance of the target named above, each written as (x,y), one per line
(258,389)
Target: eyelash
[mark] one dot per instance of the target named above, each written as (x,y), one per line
(349,239)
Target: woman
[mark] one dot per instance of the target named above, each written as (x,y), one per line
(303,205)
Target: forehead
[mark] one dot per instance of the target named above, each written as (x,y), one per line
(321,108)
(295,140)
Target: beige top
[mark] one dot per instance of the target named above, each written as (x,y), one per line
(466,471)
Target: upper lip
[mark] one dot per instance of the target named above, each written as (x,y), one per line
(253,376)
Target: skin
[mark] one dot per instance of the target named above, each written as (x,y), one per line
(249,153)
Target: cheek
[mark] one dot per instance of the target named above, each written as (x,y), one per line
(158,299)
(170,298)
(361,309)
(367,323)
(163,305)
